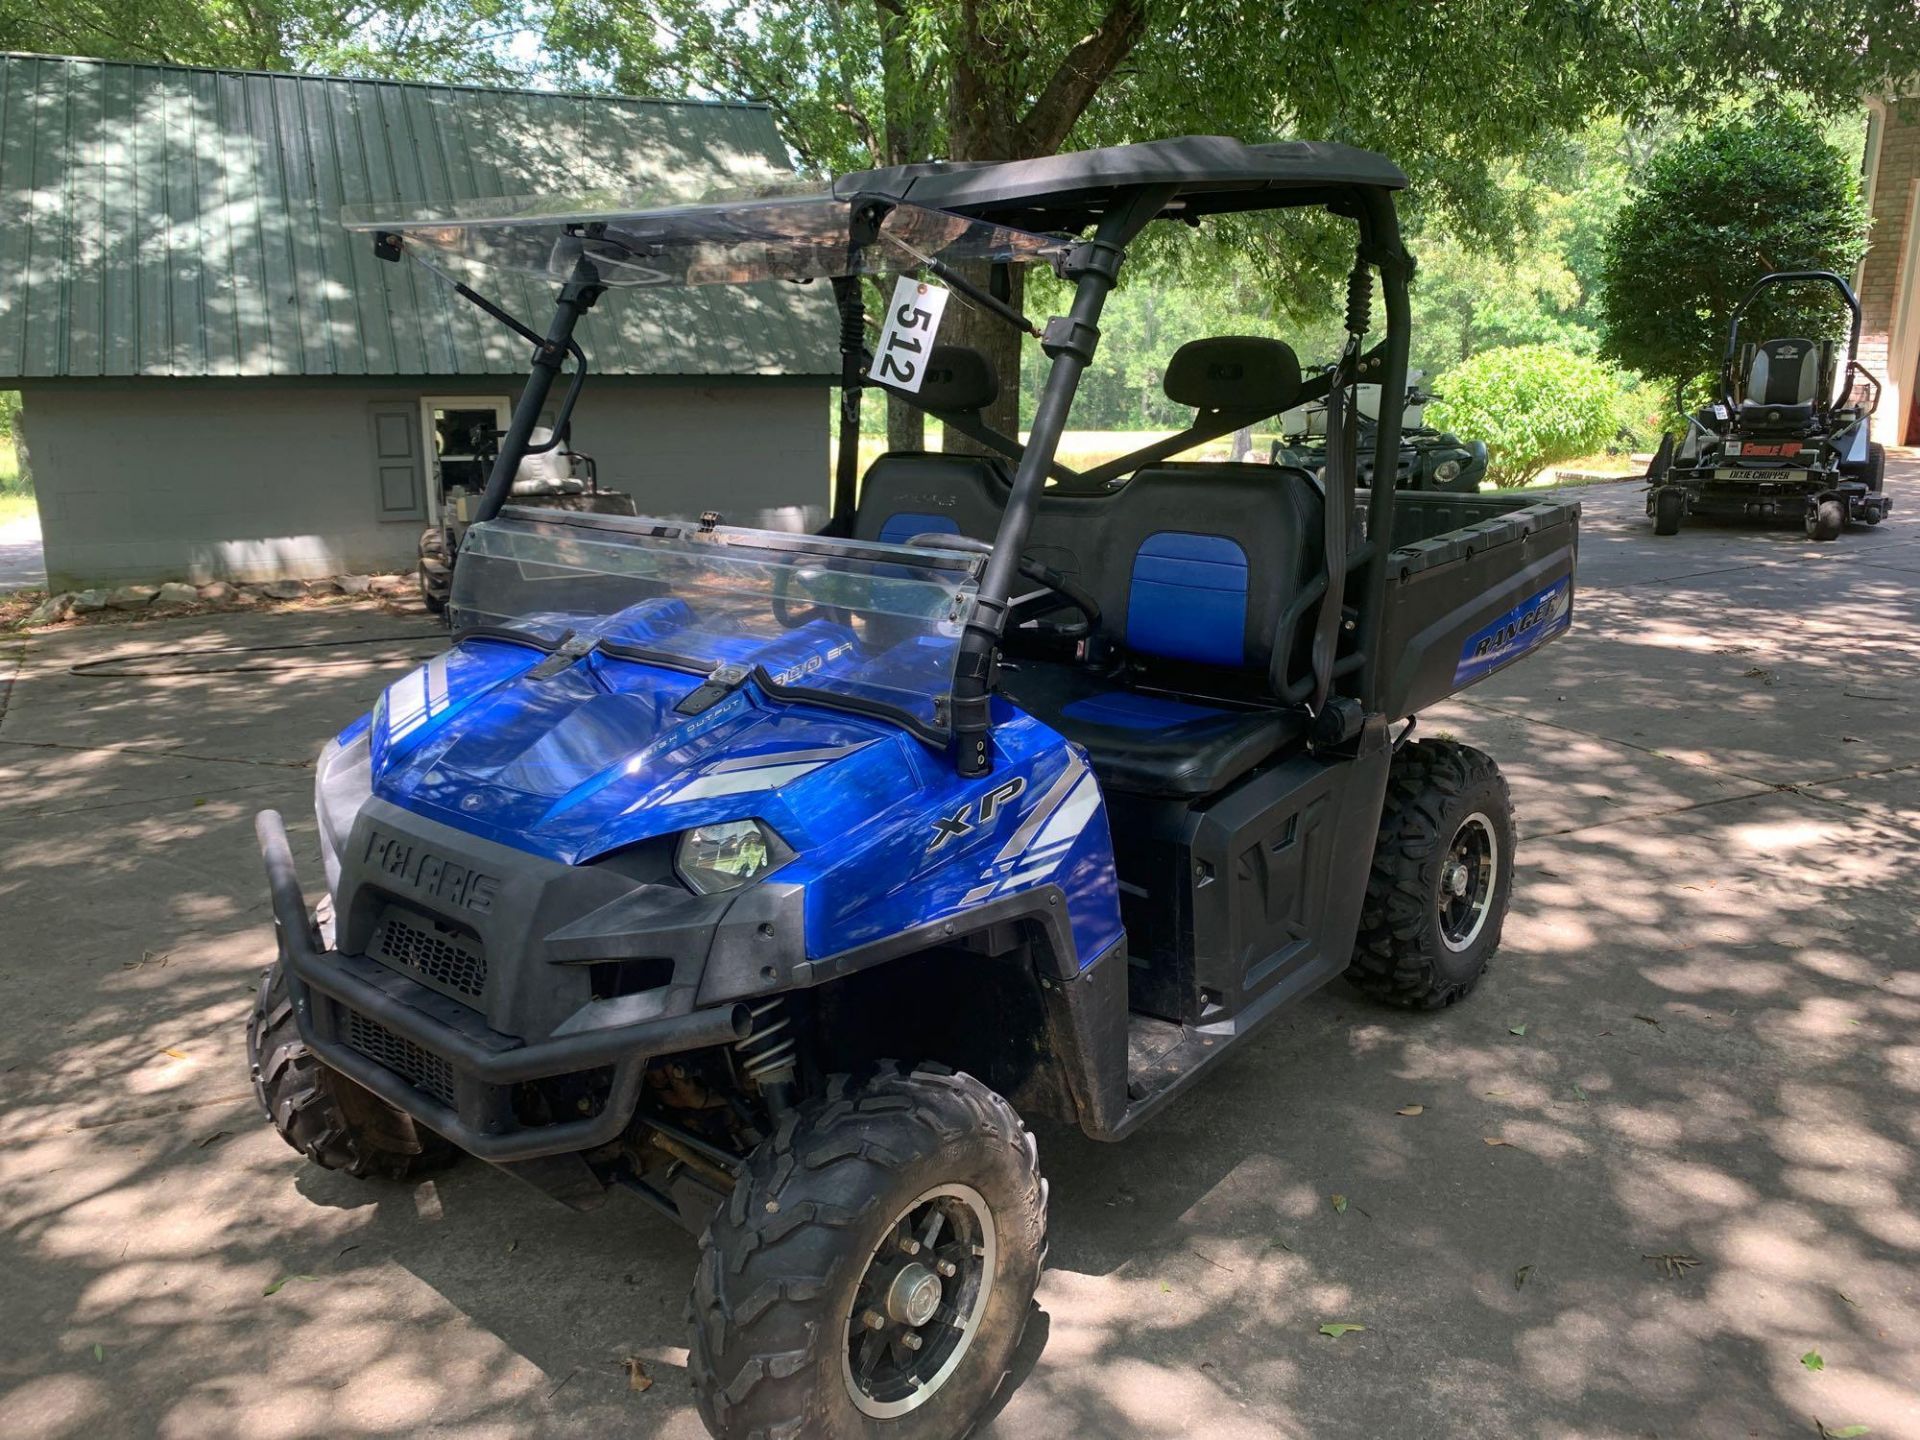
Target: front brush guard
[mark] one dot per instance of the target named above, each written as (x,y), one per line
(486,1065)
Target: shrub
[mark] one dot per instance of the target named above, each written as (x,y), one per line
(1534,405)
(1714,212)
(1642,412)
(14,474)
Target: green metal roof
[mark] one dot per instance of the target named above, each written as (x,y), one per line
(158,220)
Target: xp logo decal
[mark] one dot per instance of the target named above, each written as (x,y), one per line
(1045,835)
(951,827)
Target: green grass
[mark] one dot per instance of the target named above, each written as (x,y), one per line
(15,503)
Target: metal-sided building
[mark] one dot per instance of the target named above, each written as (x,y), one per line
(219,382)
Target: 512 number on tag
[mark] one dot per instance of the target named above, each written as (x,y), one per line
(913,319)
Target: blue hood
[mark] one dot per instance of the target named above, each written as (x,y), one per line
(577,764)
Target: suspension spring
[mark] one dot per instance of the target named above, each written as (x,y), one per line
(1359,298)
(853,320)
(767,1054)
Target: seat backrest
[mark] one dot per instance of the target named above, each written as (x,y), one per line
(1193,563)
(1198,560)
(909,492)
(912,492)
(1784,372)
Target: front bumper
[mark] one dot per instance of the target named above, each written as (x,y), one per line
(460,1076)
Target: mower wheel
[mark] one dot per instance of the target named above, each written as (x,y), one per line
(436,569)
(321,1113)
(1876,469)
(1826,520)
(1669,509)
(873,1271)
(1442,876)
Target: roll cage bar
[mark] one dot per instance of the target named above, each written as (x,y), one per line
(1729,361)
(1114,193)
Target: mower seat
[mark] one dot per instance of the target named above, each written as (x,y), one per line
(549,472)
(1783,385)
(912,492)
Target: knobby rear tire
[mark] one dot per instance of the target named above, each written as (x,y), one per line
(436,570)
(1400,956)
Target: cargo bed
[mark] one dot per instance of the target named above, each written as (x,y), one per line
(1474,582)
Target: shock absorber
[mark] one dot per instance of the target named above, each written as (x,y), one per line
(1359,298)
(767,1055)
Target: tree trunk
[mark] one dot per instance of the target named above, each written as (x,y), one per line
(906,426)
(1002,345)
(1242,443)
(989,118)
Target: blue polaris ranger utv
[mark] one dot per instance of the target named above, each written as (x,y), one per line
(772,878)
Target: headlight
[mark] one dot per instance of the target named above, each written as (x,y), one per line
(715,858)
(1446,470)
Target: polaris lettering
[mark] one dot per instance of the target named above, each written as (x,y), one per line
(432,875)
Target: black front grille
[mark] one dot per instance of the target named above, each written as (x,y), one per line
(444,959)
(420,1068)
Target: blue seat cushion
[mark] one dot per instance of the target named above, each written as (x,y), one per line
(1148,744)
(1188,598)
(903,525)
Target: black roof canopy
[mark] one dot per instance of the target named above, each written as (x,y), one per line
(759,225)
(1211,174)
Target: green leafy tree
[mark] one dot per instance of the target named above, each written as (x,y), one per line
(402,39)
(1540,284)
(1534,405)
(1445,89)
(1715,211)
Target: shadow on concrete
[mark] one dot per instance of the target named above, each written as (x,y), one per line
(1698,1042)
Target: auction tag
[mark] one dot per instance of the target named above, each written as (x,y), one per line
(913,319)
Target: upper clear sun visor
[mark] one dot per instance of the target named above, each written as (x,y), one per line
(767,232)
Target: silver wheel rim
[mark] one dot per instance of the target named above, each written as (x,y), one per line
(929,1278)
(1468,876)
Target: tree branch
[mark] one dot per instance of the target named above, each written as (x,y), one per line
(1087,66)
(868,137)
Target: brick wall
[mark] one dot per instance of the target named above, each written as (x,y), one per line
(1895,174)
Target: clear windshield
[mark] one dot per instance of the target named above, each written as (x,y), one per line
(875,624)
(728,237)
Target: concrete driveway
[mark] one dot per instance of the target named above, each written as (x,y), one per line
(1701,1041)
(23,565)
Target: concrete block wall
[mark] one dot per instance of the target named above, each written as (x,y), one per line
(150,480)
